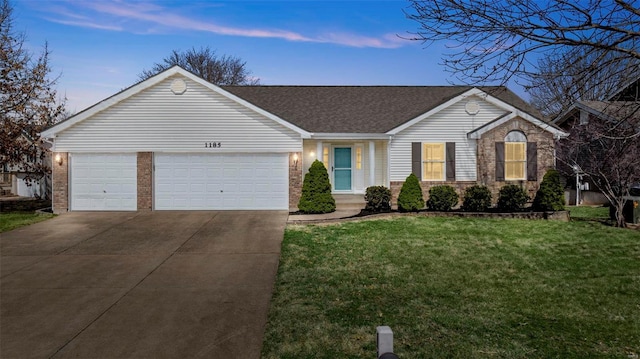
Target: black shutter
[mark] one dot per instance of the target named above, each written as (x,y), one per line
(532,161)
(499,161)
(451,161)
(416,159)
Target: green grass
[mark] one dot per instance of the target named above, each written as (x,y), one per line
(457,288)
(588,213)
(13,220)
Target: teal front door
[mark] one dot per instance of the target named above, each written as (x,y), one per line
(342,169)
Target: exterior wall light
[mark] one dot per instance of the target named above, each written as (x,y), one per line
(58,159)
(295,160)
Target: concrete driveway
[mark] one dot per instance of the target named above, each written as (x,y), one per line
(139,285)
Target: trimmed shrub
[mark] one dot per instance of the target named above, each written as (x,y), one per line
(410,198)
(378,199)
(442,198)
(550,195)
(512,198)
(316,191)
(477,199)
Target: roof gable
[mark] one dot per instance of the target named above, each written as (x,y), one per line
(150,82)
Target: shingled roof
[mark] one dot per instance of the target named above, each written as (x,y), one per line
(359,109)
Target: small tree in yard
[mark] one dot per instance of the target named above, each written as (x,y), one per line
(511,198)
(477,199)
(410,198)
(442,198)
(550,196)
(316,191)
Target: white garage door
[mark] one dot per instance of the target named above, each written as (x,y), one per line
(221,182)
(103,182)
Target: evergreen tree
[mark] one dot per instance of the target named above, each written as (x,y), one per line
(550,195)
(316,191)
(410,198)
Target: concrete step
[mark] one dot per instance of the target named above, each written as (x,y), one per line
(349,201)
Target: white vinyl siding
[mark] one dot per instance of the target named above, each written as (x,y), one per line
(103,182)
(381,164)
(221,181)
(449,125)
(157,120)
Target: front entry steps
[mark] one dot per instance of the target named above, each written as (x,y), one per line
(349,201)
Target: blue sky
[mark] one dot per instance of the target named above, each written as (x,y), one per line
(99,47)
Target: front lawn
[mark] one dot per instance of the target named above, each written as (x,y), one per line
(13,220)
(589,213)
(457,288)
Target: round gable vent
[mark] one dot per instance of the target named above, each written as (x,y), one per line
(472,107)
(178,86)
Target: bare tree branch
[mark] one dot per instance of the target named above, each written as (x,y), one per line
(496,40)
(224,70)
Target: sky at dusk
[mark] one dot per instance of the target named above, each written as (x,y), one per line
(99,47)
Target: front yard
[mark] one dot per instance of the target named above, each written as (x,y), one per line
(458,288)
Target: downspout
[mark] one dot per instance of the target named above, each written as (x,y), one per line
(388,179)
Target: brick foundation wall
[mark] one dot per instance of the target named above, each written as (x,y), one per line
(145,181)
(60,183)
(295,179)
(487,156)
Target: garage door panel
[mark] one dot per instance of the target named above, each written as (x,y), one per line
(221,181)
(103,182)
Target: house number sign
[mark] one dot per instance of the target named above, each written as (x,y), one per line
(212,144)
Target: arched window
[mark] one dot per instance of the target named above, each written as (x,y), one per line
(515,156)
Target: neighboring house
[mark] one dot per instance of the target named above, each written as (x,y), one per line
(13,179)
(175,141)
(622,104)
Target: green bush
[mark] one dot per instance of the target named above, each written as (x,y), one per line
(477,199)
(512,198)
(316,191)
(410,198)
(442,198)
(550,195)
(378,199)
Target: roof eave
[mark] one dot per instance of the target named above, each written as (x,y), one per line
(350,136)
(478,132)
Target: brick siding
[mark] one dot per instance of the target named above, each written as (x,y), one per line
(295,180)
(487,155)
(145,181)
(60,183)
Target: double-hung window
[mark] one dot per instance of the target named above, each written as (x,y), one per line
(515,156)
(433,161)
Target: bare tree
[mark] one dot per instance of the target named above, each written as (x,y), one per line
(606,149)
(578,75)
(219,70)
(497,40)
(28,101)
